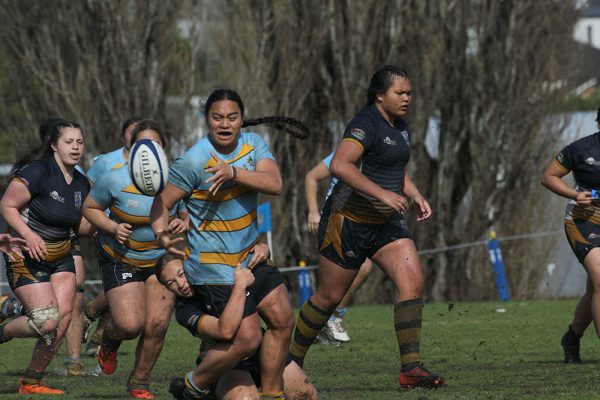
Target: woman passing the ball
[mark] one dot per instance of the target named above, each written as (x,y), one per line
(364,218)
(139,305)
(220,178)
(42,204)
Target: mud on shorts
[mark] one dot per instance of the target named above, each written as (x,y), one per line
(23,270)
(582,226)
(116,273)
(348,243)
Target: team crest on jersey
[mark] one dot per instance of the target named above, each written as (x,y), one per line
(250,162)
(560,158)
(358,133)
(404,134)
(77,197)
(55,196)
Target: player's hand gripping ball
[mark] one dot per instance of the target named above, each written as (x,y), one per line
(148,167)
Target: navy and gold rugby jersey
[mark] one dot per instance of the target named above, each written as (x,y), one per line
(55,206)
(386,151)
(583,158)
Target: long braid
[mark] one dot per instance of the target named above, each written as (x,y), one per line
(292,126)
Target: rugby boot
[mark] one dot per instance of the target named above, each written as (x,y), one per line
(107,361)
(420,377)
(139,388)
(37,388)
(570,350)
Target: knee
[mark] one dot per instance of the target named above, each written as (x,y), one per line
(43,321)
(282,320)
(130,330)
(327,301)
(247,341)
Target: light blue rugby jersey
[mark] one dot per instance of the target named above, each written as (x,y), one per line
(106,162)
(334,180)
(126,204)
(225,227)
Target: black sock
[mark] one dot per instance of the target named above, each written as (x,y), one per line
(571,337)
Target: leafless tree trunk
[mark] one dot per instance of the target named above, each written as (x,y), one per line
(96,62)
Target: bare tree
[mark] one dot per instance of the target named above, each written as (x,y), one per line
(96,62)
(491,71)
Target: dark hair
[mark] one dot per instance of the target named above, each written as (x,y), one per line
(148,124)
(128,122)
(382,80)
(49,131)
(290,125)
(161,264)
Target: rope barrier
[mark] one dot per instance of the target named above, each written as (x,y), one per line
(422,252)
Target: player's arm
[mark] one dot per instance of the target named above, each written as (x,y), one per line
(266,178)
(226,327)
(94,213)
(343,165)
(159,217)
(413,193)
(311,180)
(85,228)
(15,198)
(552,179)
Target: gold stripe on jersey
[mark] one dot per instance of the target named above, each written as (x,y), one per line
(142,246)
(333,234)
(57,250)
(226,258)
(354,141)
(128,218)
(127,260)
(131,189)
(361,218)
(222,194)
(244,151)
(559,165)
(228,225)
(119,165)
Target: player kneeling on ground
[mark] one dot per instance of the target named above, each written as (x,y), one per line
(243,381)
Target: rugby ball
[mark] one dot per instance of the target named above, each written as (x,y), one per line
(148,167)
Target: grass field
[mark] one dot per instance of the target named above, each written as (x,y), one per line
(483,354)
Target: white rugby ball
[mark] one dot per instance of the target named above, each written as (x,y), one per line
(148,167)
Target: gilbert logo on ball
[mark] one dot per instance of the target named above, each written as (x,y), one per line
(148,167)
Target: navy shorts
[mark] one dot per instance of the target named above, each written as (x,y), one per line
(212,299)
(23,270)
(348,243)
(116,273)
(582,228)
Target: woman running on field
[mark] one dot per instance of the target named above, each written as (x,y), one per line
(42,204)
(220,178)
(139,305)
(364,218)
(582,226)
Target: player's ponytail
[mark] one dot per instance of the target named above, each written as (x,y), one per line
(290,125)
(286,124)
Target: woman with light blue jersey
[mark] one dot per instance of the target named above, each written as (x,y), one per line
(139,305)
(220,178)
